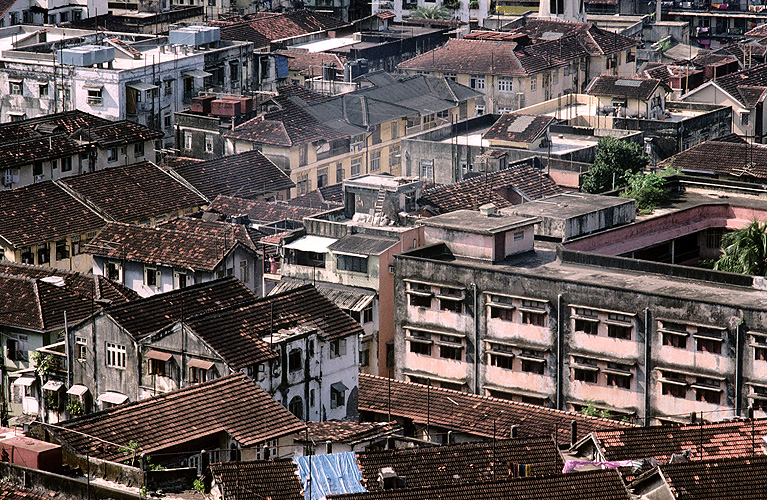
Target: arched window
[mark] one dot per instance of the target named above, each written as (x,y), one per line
(296,407)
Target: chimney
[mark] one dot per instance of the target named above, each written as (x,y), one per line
(488,209)
(573,432)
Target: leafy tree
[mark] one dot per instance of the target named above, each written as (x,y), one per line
(745,250)
(649,190)
(592,411)
(436,12)
(614,163)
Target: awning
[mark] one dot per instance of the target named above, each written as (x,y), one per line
(24,381)
(114,398)
(94,86)
(141,86)
(196,73)
(317,244)
(200,363)
(53,385)
(16,80)
(159,356)
(339,387)
(77,390)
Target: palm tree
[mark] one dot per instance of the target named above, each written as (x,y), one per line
(436,12)
(745,250)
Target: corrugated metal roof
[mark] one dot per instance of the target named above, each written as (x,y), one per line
(348,298)
(362,244)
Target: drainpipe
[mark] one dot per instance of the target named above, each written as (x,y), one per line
(647,367)
(739,369)
(560,351)
(476,340)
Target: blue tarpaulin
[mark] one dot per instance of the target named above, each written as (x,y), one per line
(331,474)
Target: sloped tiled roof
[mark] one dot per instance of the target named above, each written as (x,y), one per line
(259,480)
(321,199)
(67,123)
(246,175)
(460,463)
(132,193)
(717,440)
(200,251)
(624,88)
(473,414)
(43,212)
(122,132)
(723,479)
(259,211)
(341,431)
(755,76)
(233,404)
(516,127)
(472,193)
(14,153)
(268,27)
(592,485)
(211,229)
(148,315)
(12,492)
(729,158)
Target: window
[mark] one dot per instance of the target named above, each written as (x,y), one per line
(43,90)
(295,362)
(114,271)
(43,254)
(157,367)
(673,340)
(166,121)
(532,362)
(479,109)
(302,183)
(338,348)
(619,331)
(501,361)
(356,166)
(587,326)
(533,318)
(337,395)
(17,347)
(760,353)
(303,154)
(618,375)
(81,348)
(116,355)
(364,358)
(714,238)
(449,76)
(138,149)
(62,250)
(504,84)
(744,119)
(533,83)
(709,345)
(322,177)
(394,156)
(66,164)
(234,71)
(375,161)
(16,87)
(394,129)
(187,140)
(197,375)
(244,271)
(352,263)
(630,57)
(152,277)
(375,135)
(296,407)
(420,294)
(585,375)
(112,154)
(423,348)
(454,305)
(711,395)
(339,172)
(477,82)
(450,352)
(367,315)
(94,97)
(208,143)
(555,77)
(427,169)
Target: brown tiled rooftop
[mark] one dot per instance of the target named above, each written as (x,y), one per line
(470,413)
(10,491)
(517,127)
(211,229)
(729,158)
(461,463)
(593,485)
(259,211)
(121,132)
(259,480)
(43,212)
(624,88)
(150,314)
(718,440)
(67,123)
(341,431)
(472,193)
(26,151)
(234,405)
(131,193)
(246,175)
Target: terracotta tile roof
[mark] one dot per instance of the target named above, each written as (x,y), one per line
(122,132)
(592,485)
(244,32)
(717,440)
(473,414)
(259,211)
(474,192)
(711,59)
(272,479)
(595,40)
(15,153)
(233,404)
(132,193)
(306,95)
(148,315)
(350,432)
(460,463)
(327,197)
(729,158)
(211,229)
(247,175)
(303,306)
(290,24)
(310,63)
(200,251)
(752,53)
(724,479)
(10,491)
(755,76)
(43,212)
(664,72)
(751,95)
(516,127)
(758,32)
(67,122)
(624,88)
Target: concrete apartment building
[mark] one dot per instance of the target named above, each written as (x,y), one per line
(539,61)
(143,78)
(49,11)
(610,319)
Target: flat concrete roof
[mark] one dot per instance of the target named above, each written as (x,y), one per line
(376,181)
(566,205)
(474,222)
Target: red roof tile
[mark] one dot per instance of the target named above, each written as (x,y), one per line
(350,432)
(729,158)
(273,479)
(516,127)
(259,211)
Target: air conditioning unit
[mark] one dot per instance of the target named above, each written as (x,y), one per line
(39,177)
